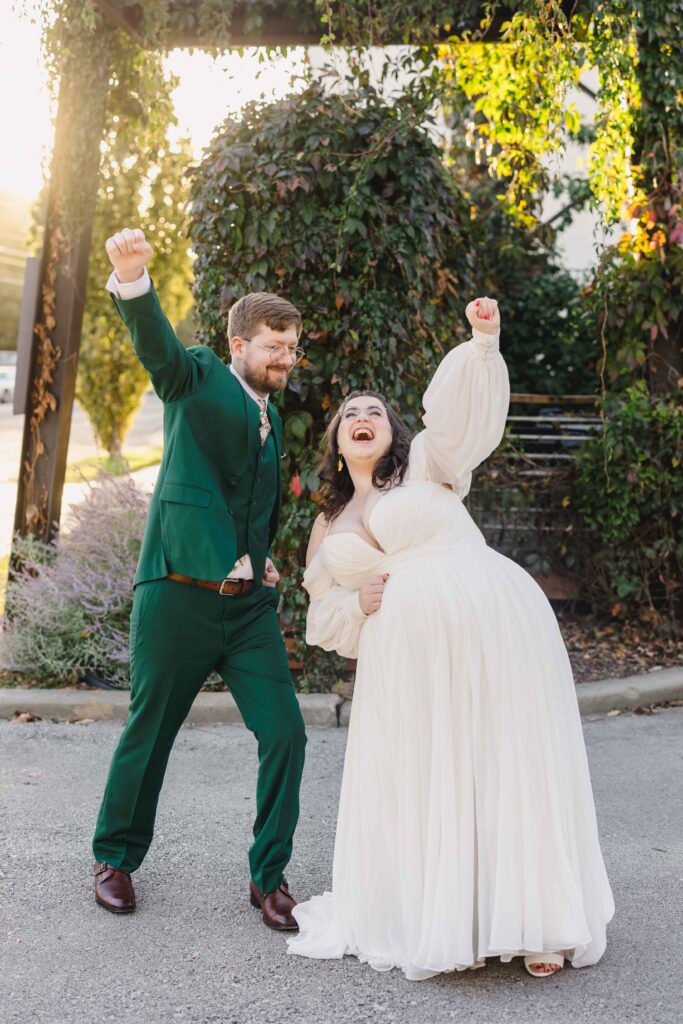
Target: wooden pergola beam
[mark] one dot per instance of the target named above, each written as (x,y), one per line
(279,30)
(119,17)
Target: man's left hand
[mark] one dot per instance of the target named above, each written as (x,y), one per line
(271,576)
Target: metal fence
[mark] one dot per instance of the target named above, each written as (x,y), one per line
(520,497)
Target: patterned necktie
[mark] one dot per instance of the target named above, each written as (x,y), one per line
(264,430)
(264,426)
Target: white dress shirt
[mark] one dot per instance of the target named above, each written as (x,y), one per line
(242,570)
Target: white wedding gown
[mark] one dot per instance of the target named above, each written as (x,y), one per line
(466,824)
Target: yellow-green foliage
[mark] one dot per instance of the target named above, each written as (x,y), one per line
(142,184)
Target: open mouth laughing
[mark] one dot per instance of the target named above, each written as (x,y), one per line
(363,434)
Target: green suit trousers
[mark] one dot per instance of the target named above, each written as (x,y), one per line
(178,634)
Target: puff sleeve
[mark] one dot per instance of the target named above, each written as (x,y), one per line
(335,617)
(466,405)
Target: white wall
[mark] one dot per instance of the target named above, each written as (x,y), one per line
(577,243)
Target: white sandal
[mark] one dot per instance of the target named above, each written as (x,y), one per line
(543,958)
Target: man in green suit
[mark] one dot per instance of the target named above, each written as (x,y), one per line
(204,590)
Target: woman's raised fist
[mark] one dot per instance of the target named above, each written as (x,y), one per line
(483,315)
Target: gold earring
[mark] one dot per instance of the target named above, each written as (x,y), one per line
(340,464)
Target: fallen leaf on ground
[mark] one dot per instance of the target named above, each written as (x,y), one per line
(20,717)
(600,649)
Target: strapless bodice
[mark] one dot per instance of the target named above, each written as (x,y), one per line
(419,518)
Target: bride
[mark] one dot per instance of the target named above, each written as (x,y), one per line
(466,824)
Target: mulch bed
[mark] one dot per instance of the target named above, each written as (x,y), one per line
(608,648)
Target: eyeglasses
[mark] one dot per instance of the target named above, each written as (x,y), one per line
(274,351)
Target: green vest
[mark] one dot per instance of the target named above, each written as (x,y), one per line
(218,492)
(251,509)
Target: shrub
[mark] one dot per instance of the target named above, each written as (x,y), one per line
(68,608)
(628,499)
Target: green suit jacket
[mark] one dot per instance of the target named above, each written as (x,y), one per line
(211,431)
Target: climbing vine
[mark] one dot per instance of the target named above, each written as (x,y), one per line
(517,89)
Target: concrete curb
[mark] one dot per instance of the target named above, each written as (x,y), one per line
(631,692)
(101,705)
(317,708)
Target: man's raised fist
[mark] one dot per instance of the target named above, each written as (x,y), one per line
(129,253)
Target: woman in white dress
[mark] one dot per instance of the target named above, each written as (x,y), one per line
(466,824)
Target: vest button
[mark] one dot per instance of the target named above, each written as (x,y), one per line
(233,480)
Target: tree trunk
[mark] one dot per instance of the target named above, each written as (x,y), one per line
(115,445)
(666,360)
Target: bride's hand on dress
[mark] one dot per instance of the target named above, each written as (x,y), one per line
(483,315)
(370,594)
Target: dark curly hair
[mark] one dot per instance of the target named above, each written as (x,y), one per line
(336,485)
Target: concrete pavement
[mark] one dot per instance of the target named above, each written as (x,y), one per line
(195,951)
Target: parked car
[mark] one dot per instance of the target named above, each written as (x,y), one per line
(7,378)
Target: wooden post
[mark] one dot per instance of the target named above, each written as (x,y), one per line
(48,413)
(58,317)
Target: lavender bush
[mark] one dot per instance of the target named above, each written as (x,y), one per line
(68,610)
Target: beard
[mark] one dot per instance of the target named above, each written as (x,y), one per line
(266,379)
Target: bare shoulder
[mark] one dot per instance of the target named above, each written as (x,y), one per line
(318,532)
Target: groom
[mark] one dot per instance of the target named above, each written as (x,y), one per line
(204,594)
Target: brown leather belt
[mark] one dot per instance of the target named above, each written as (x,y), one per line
(227,588)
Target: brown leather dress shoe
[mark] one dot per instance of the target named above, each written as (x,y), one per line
(276,907)
(114,888)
